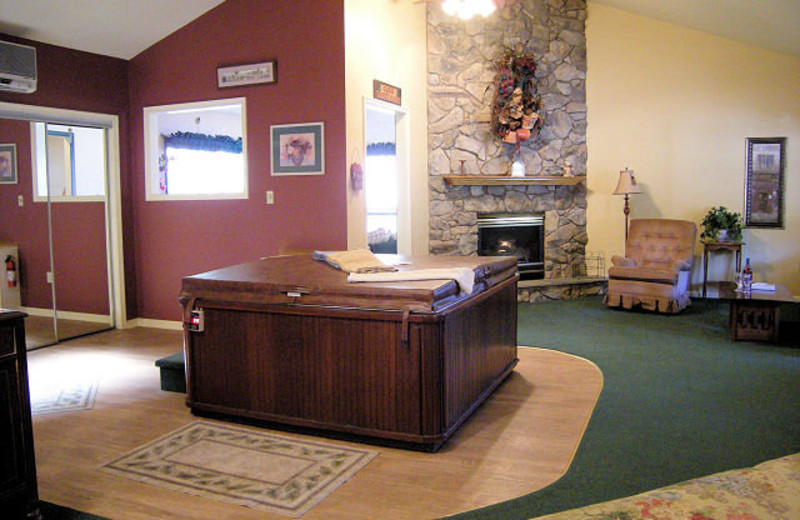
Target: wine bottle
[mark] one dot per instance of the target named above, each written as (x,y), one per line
(747,276)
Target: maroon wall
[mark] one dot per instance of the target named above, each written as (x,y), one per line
(175,239)
(71,80)
(165,241)
(25,226)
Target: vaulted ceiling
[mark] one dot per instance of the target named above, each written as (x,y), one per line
(771,24)
(124,28)
(118,28)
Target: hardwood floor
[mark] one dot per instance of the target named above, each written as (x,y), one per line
(520,440)
(39,330)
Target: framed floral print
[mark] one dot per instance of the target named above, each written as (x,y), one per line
(8,164)
(298,149)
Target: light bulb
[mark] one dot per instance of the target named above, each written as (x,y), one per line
(466,9)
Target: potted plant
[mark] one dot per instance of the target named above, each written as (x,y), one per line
(722,225)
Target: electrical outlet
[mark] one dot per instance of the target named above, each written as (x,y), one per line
(270,197)
(20,200)
(49,277)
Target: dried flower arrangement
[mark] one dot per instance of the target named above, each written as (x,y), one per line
(516,110)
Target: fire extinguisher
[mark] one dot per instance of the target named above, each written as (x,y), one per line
(11,271)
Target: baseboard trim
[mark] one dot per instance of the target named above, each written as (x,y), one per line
(154,324)
(67,315)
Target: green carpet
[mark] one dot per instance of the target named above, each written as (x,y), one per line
(680,400)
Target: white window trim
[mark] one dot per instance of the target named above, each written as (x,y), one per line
(151,151)
(35,168)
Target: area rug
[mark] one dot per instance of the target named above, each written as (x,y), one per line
(62,396)
(268,472)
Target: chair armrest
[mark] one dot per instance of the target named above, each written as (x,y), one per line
(621,261)
(681,265)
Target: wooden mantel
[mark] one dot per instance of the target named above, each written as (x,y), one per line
(507,180)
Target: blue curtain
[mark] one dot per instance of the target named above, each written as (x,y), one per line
(208,143)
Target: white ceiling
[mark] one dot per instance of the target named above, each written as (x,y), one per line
(124,28)
(119,28)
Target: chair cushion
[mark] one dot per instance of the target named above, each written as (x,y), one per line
(643,274)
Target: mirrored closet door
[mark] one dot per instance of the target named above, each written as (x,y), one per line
(58,222)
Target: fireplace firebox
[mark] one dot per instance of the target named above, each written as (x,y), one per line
(520,235)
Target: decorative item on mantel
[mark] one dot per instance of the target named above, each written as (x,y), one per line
(516,109)
(518,168)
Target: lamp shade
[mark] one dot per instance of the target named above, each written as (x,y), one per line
(627,183)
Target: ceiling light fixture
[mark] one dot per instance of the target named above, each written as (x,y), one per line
(466,9)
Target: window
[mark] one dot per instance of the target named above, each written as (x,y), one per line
(72,159)
(196,151)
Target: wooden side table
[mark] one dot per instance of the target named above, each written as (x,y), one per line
(754,315)
(711,247)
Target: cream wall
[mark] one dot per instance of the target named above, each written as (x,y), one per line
(386,40)
(676,105)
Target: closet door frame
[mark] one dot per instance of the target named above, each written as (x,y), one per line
(114,246)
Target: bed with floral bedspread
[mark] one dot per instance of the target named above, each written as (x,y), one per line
(768,491)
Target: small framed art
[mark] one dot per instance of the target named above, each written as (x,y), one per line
(8,164)
(298,149)
(764,184)
(250,74)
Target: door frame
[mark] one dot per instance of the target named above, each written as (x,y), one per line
(114,247)
(403,158)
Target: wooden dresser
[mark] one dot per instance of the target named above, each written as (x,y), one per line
(18,491)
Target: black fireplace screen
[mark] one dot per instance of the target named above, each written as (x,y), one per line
(516,235)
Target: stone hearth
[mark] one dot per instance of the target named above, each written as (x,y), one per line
(462,57)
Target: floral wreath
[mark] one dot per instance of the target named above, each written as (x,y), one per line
(516,111)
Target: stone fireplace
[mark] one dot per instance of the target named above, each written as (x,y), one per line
(462,59)
(517,235)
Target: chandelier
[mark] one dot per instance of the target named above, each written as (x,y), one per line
(466,9)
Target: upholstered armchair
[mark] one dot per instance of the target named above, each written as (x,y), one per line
(654,273)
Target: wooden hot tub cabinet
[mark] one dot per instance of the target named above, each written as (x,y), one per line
(288,340)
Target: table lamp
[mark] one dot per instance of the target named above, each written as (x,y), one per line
(627,186)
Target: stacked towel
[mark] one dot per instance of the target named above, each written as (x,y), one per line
(463,275)
(363,266)
(355,261)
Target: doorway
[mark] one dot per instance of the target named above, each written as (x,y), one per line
(65,219)
(387,178)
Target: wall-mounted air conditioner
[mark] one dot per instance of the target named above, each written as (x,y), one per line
(17,68)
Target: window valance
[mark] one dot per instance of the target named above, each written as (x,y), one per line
(381,149)
(208,143)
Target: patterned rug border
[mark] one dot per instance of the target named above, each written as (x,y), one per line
(86,402)
(138,457)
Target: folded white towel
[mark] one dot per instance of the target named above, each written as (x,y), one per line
(463,275)
(354,261)
(761,286)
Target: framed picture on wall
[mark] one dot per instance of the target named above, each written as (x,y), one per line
(298,149)
(8,164)
(250,74)
(766,162)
